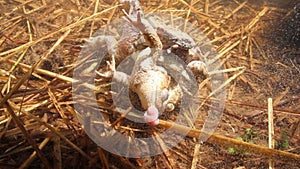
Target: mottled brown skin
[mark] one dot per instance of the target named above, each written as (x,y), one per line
(148,85)
(150,82)
(147,81)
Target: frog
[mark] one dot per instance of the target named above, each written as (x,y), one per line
(150,41)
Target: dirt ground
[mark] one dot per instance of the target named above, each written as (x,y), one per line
(40,42)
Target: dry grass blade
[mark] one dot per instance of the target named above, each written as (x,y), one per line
(196,156)
(95,11)
(256,19)
(28,74)
(14,152)
(44,72)
(200,14)
(7,121)
(26,45)
(271,130)
(26,134)
(32,156)
(124,162)
(59,108)
(297,114)
(280,97)
(57,152)
(226,82)
(236,10)
(103,158)
(17,131)
(58,134)
(51,74)
(226,49)
(251,53)
(170,162)
(206,6)
(227,70)
(123,115)
(229,142)
(256,44)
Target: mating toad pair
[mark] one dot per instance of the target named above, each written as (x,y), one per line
(151,43)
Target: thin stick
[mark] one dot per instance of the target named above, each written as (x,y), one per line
(57,153)
(230,142)
(236,10)
(226,70)
(102,158)
(246,6)
(123,115)
(16,131)
(52,74)
(59,109)
(271,130)
(44,72)
(279,98)
(33,155)
(170,162)
(256,19)
(93,22)
(224,50)
(232,102)
(206,6)
(196,11)
(187,17)
(250,52)
(227,82)
(262,53)
(196,156)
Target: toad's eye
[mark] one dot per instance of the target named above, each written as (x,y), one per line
(164,94)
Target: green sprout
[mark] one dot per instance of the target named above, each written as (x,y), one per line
(283,142)
(249,135)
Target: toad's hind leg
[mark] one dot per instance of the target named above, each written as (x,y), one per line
(102,42)
(107,44)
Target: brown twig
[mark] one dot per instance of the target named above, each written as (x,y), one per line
(103,158)
(32,156)
(271,130)
(123,115)
(229,142)
(57,152)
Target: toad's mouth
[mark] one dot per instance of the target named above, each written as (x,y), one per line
(151,116)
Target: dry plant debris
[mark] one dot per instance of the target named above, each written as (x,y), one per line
(40,41)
